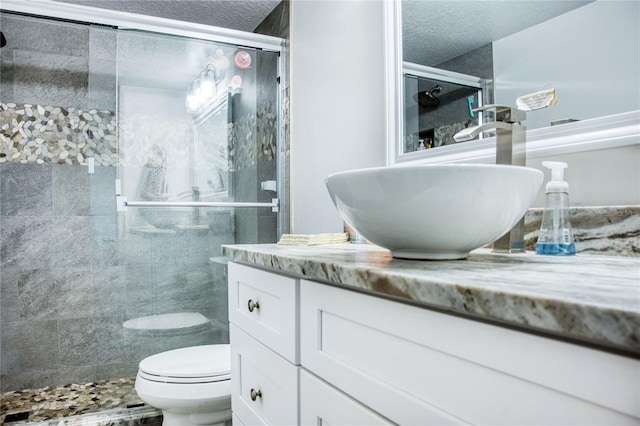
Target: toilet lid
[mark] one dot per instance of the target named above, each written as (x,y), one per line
(173,321)
(187,365)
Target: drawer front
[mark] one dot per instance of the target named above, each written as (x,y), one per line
(264,386)
(415,366)
(322,404)
(265,305)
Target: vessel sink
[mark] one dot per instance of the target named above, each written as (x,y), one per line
(434,211)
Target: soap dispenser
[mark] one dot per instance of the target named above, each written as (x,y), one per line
(556,237)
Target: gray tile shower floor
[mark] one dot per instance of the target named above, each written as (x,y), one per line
(107,402)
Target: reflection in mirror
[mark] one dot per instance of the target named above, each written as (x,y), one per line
(587,50)
(210,159)
(434,32)
(438,104)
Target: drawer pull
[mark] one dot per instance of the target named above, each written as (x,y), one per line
(255,394)
(253,305)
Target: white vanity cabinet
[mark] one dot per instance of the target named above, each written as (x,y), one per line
(321,403)
(268,386)
(363,359)
(264,324)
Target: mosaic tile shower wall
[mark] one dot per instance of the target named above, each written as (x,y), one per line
(54,134)
(244,151)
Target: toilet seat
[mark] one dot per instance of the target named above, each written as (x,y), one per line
(195,364)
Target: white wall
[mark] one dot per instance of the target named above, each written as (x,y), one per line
(591,56)
(337,94)
(607,177)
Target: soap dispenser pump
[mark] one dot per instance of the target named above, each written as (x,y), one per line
(556,237)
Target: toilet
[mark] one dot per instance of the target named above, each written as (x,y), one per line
(190,385)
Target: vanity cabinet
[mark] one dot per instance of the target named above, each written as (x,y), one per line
(264,324)
(264,385)
(321,403)
(268,384)
(355,358)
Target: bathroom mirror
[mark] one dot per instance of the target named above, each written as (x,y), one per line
(587,50)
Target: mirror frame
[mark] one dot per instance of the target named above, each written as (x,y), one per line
(613,131)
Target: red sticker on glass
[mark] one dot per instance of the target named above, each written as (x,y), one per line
(242,60)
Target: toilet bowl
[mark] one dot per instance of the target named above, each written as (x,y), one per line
(190,385)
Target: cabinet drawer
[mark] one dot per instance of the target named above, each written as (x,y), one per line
(264,386)
(321,404)
(416,366)
(265,305)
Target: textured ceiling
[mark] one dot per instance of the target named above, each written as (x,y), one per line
(436,30)
(244,15)
(433,30)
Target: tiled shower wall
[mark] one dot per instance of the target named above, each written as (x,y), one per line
(57,275)
(57,222)
(70,271)
(70,276)
(256,155)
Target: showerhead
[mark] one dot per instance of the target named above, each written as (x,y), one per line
(428,99)
(435,90)
(3,41)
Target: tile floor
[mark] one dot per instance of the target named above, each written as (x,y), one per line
(107,402)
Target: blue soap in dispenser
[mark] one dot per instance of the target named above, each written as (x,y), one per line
(556,237)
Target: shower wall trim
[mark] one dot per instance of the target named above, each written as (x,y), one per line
(124,20)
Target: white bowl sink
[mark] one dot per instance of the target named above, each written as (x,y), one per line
(434,211)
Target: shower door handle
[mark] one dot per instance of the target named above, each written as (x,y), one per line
(122,204)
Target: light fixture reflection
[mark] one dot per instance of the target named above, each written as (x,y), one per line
(202,91)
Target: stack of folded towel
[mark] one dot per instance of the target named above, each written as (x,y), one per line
(313,239)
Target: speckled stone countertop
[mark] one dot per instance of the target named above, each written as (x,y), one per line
(589,299)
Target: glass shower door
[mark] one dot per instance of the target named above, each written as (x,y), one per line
(197,142)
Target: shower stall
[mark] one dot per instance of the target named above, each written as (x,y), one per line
(131,148)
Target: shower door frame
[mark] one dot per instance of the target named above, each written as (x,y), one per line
(93,15)
(131,21)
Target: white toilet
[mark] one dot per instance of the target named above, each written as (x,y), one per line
(190,385)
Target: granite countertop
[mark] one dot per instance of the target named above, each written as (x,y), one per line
(588,299)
